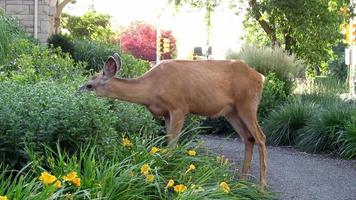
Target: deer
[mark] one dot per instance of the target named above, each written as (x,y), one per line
(174,88)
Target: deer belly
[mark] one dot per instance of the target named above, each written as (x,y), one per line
(213,111)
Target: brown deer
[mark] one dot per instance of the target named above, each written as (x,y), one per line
(174,88)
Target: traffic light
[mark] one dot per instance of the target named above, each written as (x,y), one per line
(166,45)
(161,45)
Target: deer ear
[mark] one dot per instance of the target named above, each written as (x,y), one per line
(112,65)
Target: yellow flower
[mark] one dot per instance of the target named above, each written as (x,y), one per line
(154,150)
(170,183)
(145,169)
(150,178)
(58,184)
(76,182)
(3,198)
(46,178)
(126,142)
(70,176)
(180,188)
(192,153)
(191,168)
(224,187)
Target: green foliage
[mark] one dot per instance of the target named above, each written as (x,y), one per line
(275,92)
(321,133)
(133,67)
(62,41)
(337,67)
(32,63)
(283,125)
(9,31)
(49,113)
(94,53)
(348,140)
(91,26)
(132,118)
(116,174)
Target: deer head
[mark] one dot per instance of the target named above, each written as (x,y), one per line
(99,80)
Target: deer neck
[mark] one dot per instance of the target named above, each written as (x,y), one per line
(131,90)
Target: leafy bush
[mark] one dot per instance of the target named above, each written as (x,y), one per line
(91,26)
(321,133)
(32,63)
(9,31)
(140,40)
(348,140)
(275,93)
(131,170)
(48,113)
(62,41)
(96,53)
(282,126)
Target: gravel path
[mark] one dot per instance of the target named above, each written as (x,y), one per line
(295,174)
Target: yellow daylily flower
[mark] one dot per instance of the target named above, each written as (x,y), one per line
(192,152)
(70,176)
(58,184)
(224,187)
(76,182)
(154,150)
(145,169)
(180,188)
(3,198)
(191,168)
(47,178)
(150,178)
(170,183)
(126,142)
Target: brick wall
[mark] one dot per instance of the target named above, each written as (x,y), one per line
(24,11)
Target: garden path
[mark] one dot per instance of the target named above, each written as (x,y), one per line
(295,174)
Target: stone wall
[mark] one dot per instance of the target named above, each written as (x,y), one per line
(24,12)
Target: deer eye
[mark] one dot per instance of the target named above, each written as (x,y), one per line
(89,86)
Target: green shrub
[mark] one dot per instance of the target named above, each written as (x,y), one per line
(321,133)
(93,53)
(96,53)
(283,125)
(48,113)
(133,118)
(9,31)
(61,41)
(133,67)
(32,63)
(348,140)
(275,93)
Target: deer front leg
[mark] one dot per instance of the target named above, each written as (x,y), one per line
(176,121)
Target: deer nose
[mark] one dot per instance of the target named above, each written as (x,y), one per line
(83,88)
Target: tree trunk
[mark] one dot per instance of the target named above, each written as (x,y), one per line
(57,17)
(264,24)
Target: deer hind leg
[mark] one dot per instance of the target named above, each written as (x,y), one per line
(175,125)
(247,138)
(249,119)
